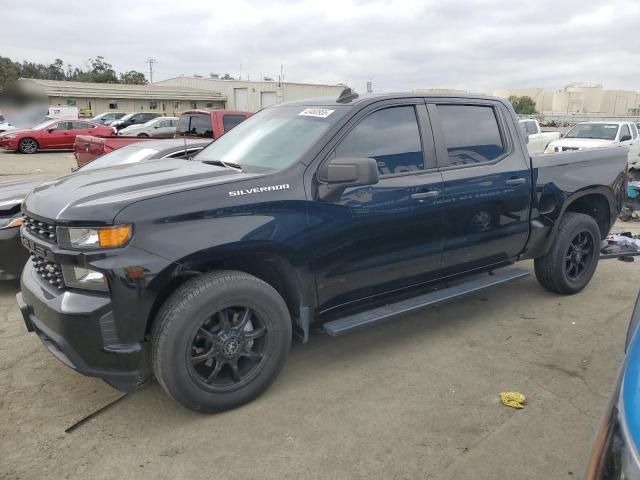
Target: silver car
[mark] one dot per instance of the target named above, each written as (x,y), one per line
(160,127)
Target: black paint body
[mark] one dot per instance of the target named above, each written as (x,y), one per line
(364,245)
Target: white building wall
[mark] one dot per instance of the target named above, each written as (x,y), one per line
(284,92)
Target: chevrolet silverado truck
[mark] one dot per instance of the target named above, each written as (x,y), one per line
(330,215)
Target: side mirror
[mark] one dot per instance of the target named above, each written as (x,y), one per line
(349,172)
(625,138)
(50,130)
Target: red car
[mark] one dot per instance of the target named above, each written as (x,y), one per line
(52,134)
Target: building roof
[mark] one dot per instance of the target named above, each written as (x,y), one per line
(57,88)
(247,82)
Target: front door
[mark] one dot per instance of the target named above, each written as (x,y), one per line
(374,239)
(56,135)
(487,184)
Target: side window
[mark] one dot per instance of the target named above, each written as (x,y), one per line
(634,130)
(530,128)
(80,126)
(63,126)
(230,121)
(471,134)
(390,136)
(201,126)
(624,131)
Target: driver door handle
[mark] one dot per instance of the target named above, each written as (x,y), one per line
(424,195)
(515,181)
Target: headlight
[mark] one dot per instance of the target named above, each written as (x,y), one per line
(11,136)
(94,238)
(11,222)
(79,277)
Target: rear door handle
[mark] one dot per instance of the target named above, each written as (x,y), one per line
(424,195)
(515,181)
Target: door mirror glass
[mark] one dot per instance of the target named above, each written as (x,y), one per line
(350,172)
(625,138)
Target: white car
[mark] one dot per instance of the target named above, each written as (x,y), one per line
(5,125)
(600,134)
(160,127)
(538,140)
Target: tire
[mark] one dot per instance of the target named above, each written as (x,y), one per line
(191,325)
(28,145)
(143,135)
(573,257)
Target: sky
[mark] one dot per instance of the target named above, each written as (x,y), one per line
(479,45)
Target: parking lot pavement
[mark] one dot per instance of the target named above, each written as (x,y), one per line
(45,164)
(417,398)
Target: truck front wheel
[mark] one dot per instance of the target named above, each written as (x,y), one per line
(573,257)
(220,340)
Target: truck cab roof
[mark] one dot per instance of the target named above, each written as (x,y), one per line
(378,97)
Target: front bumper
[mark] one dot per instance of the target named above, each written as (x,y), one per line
(13,255)
(78,329)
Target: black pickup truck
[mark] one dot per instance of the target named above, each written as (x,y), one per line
(332,214)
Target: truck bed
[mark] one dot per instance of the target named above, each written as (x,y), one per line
(89,147)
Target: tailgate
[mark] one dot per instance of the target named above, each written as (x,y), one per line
(87,148)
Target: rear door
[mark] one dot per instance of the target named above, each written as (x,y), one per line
(487,184)
(377,238)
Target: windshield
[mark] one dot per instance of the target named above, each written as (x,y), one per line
(273,138)
(602,131)
(127,116)
(44,124)
(122,156)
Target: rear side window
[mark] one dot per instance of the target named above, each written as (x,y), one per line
(634,130)
(530,128)
(81,126)
(471,134)
(624,131)
(390,136)
(230,121)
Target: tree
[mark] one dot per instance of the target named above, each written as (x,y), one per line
(133,77)
(524,105)
(9,72)
(226,76)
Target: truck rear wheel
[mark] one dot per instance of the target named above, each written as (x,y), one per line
(573,257)
(220,340)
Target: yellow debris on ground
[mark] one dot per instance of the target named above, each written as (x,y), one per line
(513,399)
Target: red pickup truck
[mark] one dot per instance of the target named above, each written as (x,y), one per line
(200,123)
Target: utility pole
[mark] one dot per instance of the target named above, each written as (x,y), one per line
(151,61)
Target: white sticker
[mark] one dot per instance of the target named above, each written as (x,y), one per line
(316,112)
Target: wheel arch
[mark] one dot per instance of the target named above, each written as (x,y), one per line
(273,268)
(599,204)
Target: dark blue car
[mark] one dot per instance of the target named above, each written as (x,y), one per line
(615,454)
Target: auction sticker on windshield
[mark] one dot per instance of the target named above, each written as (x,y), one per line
(316,112)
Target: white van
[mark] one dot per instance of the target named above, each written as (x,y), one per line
(60,112)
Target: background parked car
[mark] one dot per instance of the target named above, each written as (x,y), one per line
(52,134)
(614,453)
(161,127)
(5,124)
(134,119)
(208,122)
(538,140)
(600,134)
(13,255)
(106,118)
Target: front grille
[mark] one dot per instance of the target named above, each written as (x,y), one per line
(45,231)
(50,271)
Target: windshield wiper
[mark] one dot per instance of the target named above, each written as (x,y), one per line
(222,163)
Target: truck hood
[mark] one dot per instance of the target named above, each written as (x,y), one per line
(13,192)
(582,143)
(97,196)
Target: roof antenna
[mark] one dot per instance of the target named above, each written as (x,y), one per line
(347,95)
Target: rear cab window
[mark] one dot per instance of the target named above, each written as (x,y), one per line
(471,134)
(196,125)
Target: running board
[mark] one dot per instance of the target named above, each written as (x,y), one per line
(387,312)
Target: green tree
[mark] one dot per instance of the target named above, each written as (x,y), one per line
(133,77)
(9,72)
(524,105)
